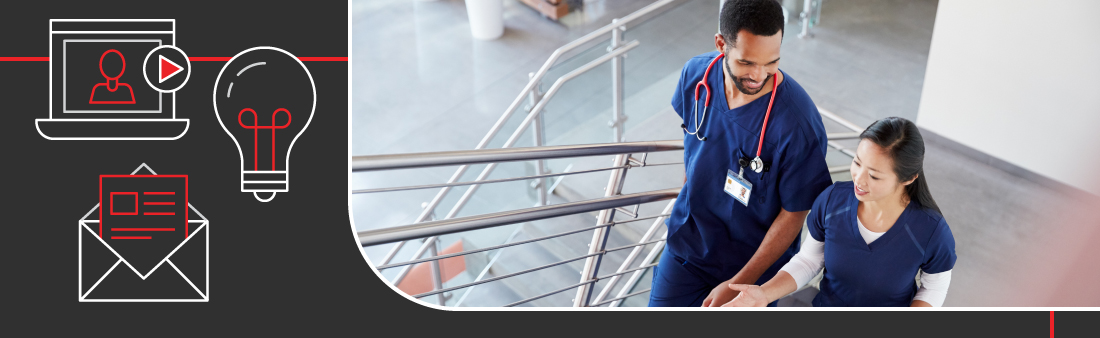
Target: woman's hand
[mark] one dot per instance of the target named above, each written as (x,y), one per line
(720,295)
(749,295)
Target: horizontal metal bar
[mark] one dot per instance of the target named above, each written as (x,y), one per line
(641,218)
(634,245)
(839,169)
(620,298)
(551,293)
(453,225)
(544,267)
(428,243)
(574,286)
(505,245)
(647,266)
(501,180)
(483,281)
(841,136)
(847,124)
(842,149)
(457,184)
(477,156)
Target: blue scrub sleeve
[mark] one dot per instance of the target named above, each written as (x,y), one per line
(815,222)
(678,98)
(940,253)
(802,173)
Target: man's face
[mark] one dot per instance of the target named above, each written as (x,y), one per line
(752,60)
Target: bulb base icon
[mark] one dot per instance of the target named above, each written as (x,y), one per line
(264,99)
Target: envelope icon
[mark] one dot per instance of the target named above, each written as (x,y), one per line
(143,242)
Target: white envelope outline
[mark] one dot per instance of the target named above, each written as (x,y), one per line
(83,224)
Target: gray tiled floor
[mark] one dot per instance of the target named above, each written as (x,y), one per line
(420,83)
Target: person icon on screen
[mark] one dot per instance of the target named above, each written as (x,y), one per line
(107,92)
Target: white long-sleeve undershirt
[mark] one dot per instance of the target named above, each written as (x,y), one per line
(811,258)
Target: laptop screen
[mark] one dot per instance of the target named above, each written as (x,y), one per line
(96,69)
(88,90)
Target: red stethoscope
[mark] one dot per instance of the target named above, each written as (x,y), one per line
(756,164)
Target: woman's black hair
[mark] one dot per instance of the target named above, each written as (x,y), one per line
(901,139)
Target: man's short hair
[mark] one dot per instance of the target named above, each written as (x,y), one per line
(759,17)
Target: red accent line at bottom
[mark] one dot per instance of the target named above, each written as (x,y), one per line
(131,237)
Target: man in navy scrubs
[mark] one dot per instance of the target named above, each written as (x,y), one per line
(717,233)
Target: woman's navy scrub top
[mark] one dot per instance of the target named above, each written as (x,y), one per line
(881,273)
(711,235)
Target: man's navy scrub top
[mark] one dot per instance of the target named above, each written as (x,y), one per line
(708,228)
(881,273)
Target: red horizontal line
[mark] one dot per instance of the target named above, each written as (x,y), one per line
(143,229)
(159,213)
(193,58)
(208,58)
(323,58)
(159,193)
(158,203)
(131,237)
(304,58)
(24,58)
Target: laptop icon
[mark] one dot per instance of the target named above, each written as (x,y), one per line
(97,87)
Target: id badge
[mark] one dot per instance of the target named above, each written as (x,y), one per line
(738,187)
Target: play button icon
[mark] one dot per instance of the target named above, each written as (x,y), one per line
(169,69)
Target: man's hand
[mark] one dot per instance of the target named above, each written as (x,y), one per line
(720,295)
(748,295)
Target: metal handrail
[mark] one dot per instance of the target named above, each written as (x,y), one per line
(615,27)
(510,243)
(543,267)
(449,226)
(502,180)
(479,156)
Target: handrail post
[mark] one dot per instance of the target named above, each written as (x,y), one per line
(618,119)
(806,15)
(599,236)
(437,277)
(539,133)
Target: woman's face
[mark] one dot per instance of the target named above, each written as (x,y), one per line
(873,174)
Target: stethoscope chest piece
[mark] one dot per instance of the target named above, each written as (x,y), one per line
(757,165)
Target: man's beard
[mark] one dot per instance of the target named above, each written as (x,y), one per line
(740,87)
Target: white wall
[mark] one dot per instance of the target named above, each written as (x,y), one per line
(1019,80)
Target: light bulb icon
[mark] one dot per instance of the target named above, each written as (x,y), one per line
(264,99)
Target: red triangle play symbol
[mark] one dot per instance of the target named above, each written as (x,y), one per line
(168,69)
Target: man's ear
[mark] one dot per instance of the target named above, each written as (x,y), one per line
(719,43)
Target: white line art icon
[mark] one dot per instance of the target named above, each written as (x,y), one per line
(97,90)
(264,98)
(144,223)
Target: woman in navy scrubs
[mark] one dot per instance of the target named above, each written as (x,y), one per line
(873,234)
